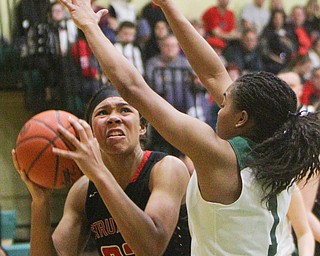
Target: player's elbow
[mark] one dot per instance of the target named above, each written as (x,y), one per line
(155,246)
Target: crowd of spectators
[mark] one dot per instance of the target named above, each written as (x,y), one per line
(257,38)
(270,39)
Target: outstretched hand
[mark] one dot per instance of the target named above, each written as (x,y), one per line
(87,153)
(160,2)
(38,193)
(82,12)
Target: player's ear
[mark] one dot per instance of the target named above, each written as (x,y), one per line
(143,125)
(243,119)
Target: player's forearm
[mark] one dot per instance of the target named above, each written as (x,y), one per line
(205,62)
(314,223)
(41,231)
(306,244)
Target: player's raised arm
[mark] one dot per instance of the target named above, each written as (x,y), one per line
(128,81)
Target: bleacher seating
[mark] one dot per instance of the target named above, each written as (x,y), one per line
(8,226)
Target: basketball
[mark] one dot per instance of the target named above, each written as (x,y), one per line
(34,150)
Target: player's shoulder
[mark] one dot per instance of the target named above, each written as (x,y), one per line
(80,187)
(171,165)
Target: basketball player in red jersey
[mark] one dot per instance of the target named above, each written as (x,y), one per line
(130,201)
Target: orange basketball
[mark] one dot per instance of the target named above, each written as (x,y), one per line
(34,150)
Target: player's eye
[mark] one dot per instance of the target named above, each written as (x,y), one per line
(102,112)
(125,110)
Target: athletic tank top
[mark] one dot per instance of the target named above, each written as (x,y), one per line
(108,239)
(246,227)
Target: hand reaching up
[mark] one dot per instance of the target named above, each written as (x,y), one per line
(82,12)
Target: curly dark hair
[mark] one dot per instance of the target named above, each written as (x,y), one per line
(288,142)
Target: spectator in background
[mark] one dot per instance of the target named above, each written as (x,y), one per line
(28,15)
(107,24)
(202,102)
(169,57)
(125,44)
(302,65)
(61,34)
(220,22)
(297,19)
(66,29)
(169,74)
(294,81)
(219,46)
(143,32)
(160,31)
(122,10)
(311,90)
(278,42)
(198,25)
(89,67)
(246,54)
(312,21)
(276,5)
(314,53)
(150,15)
(255,16)
(233,70)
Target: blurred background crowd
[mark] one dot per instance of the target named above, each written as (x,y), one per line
(50,59)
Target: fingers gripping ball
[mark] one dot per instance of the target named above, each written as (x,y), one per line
(34,150)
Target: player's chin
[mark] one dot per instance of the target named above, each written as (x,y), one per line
(117,148)
(221,134)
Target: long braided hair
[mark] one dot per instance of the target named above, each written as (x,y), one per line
(288,142)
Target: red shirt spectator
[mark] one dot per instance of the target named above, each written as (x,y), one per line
(311,90)
(310,94)
(83,56)
(304,40)
(298,17)
(213,18)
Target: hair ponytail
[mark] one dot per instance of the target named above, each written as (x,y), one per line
(291,154)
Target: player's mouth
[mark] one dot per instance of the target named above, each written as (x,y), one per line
(115,134)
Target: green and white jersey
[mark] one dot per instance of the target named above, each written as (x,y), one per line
(246,227)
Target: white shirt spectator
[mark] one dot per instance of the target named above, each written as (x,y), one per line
(257,16)
(132,53)
(124,10)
